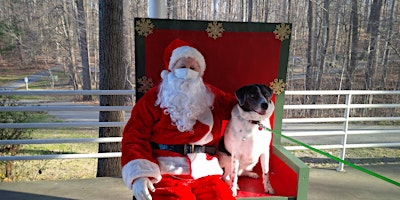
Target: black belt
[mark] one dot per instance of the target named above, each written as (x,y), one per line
(185,148)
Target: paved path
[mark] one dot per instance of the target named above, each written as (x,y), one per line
(20,84)
(324,184)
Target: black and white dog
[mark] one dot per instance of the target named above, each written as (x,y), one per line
(244,142)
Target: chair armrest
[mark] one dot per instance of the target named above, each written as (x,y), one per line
(288,176)
(301,169)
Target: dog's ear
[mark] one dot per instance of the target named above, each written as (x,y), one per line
(241,94)
(266,91)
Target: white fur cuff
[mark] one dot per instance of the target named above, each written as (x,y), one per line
(140,168)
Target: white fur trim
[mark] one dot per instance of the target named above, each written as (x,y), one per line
(164,73)
(140,168)
(207,119)
(201,166)
(174,165)
(185,52)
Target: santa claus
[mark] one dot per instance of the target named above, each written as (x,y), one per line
(168,144)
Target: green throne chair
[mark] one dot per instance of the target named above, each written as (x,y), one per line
(237,54)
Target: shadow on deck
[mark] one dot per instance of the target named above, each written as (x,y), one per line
(324,184)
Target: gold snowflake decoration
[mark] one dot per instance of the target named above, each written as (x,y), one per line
(282,32)
(215,30)
(277,86)
(144,27)
(146,83)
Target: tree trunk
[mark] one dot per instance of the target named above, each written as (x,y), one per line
(189,12)
(70,37)
(266,11)
(130,53)
(373,29)
(324,45)
(86,83)
(169,9)
(335,32)
(310,64)
(284,11)
(387,49)
(398,80)
(214,10)
(354,45)
(112,77)
(16,32)
(250,11)
(242,12)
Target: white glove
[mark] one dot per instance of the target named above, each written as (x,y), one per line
(141,187)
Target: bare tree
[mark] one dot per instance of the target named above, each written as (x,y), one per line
(309,54)
(86,80)
(324,43)
(112,77)
(336,31)
(373,30)
(354,45)
(266,11)
(15,32)
(70,37)
(386,53)
(250,12)
(128,34)
(364,35)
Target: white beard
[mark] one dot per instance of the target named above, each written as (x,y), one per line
(184,100)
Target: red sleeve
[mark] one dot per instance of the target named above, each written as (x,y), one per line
(224,102)
(137,132)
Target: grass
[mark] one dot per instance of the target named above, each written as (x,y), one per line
(358,156)
(63,169)
(59,169)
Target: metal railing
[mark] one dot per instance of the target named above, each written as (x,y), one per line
(311,128)
(340,126)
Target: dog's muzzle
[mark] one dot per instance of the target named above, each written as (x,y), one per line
(185,148)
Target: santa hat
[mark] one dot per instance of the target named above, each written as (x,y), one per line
(181,49)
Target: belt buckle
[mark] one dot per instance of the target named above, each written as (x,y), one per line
(188,148)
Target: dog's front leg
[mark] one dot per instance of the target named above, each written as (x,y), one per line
(234,174)
(264,159)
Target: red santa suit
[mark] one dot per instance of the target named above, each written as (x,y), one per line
(175,175)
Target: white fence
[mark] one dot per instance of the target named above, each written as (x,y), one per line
(363,135)
(319,132)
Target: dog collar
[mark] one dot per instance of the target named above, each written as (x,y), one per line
(254,121)
(260,126)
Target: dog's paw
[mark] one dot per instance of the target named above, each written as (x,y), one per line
(267,185)
(268,189)
(234,189)
(250,174)
(234,192)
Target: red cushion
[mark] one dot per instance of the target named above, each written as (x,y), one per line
(283,180)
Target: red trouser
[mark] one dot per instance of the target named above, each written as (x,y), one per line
(206,188)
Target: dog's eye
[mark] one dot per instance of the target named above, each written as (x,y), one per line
(252,95)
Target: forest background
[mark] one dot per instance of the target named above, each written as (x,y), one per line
(336,44)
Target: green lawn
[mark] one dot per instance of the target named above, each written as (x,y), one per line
(58,168)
